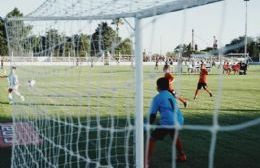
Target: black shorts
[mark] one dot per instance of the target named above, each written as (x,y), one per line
(201,85)
(10,90)
(160,133)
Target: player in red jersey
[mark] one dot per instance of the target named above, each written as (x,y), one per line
(202,81)
(170,78)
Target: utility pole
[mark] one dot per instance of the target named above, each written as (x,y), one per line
(245,50)
(192,40)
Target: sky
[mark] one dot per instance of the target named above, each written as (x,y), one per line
(225,20)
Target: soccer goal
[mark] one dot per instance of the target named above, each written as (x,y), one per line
(91,91)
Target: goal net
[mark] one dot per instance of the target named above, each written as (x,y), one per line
(82,101)
(90,88)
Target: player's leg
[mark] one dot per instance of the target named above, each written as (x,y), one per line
(181,99)
(18,94)
(157,134)
(199,86)
(181,156)
(205,87)
(229,71)
(149,152)
(196,94)
(10,96)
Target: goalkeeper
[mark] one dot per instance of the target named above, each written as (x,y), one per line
(166,104)
(13,85)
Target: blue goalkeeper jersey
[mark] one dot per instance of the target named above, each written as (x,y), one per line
(166,104)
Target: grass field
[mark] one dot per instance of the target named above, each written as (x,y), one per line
(105,95)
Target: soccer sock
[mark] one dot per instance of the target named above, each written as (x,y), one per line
(179,146)
(209,92)
(10,97)
(196,93)
(17,93)
(149,152)
(182,99)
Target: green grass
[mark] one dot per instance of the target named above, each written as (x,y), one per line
(106,94)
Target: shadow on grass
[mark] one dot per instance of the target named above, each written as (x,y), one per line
(59,105)
(235,110)
(81,142)
(4,102)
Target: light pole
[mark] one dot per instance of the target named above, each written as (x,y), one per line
(245,50)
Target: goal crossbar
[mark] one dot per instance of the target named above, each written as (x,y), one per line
(162,7)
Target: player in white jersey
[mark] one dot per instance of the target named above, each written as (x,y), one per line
(13,83)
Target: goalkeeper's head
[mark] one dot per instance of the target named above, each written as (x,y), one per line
(162,84)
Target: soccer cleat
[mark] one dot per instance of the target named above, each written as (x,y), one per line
(210,94)
(185,104)
(181,158)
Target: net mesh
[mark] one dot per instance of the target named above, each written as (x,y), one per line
(82,106)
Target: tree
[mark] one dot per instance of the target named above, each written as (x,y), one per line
(171,55)
(35,44)
(237,45)
(254,49)
(53,41)
(102,39)
(184,49)
(18,32)
(76,45)
(3,39)
(208,49)
(117,22)
(125,47)
(81,44)
(14,13)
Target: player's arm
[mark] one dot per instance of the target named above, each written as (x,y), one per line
(152,118)
(8,81)
(153,111)
(16,81)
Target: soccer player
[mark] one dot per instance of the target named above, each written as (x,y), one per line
(170,77)
(2,62)
(77,62)
(226,68)
(156,63)
(13,85)
(202,81)
(236,68)
(165,103)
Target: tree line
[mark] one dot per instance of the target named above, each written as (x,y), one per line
(105,38)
